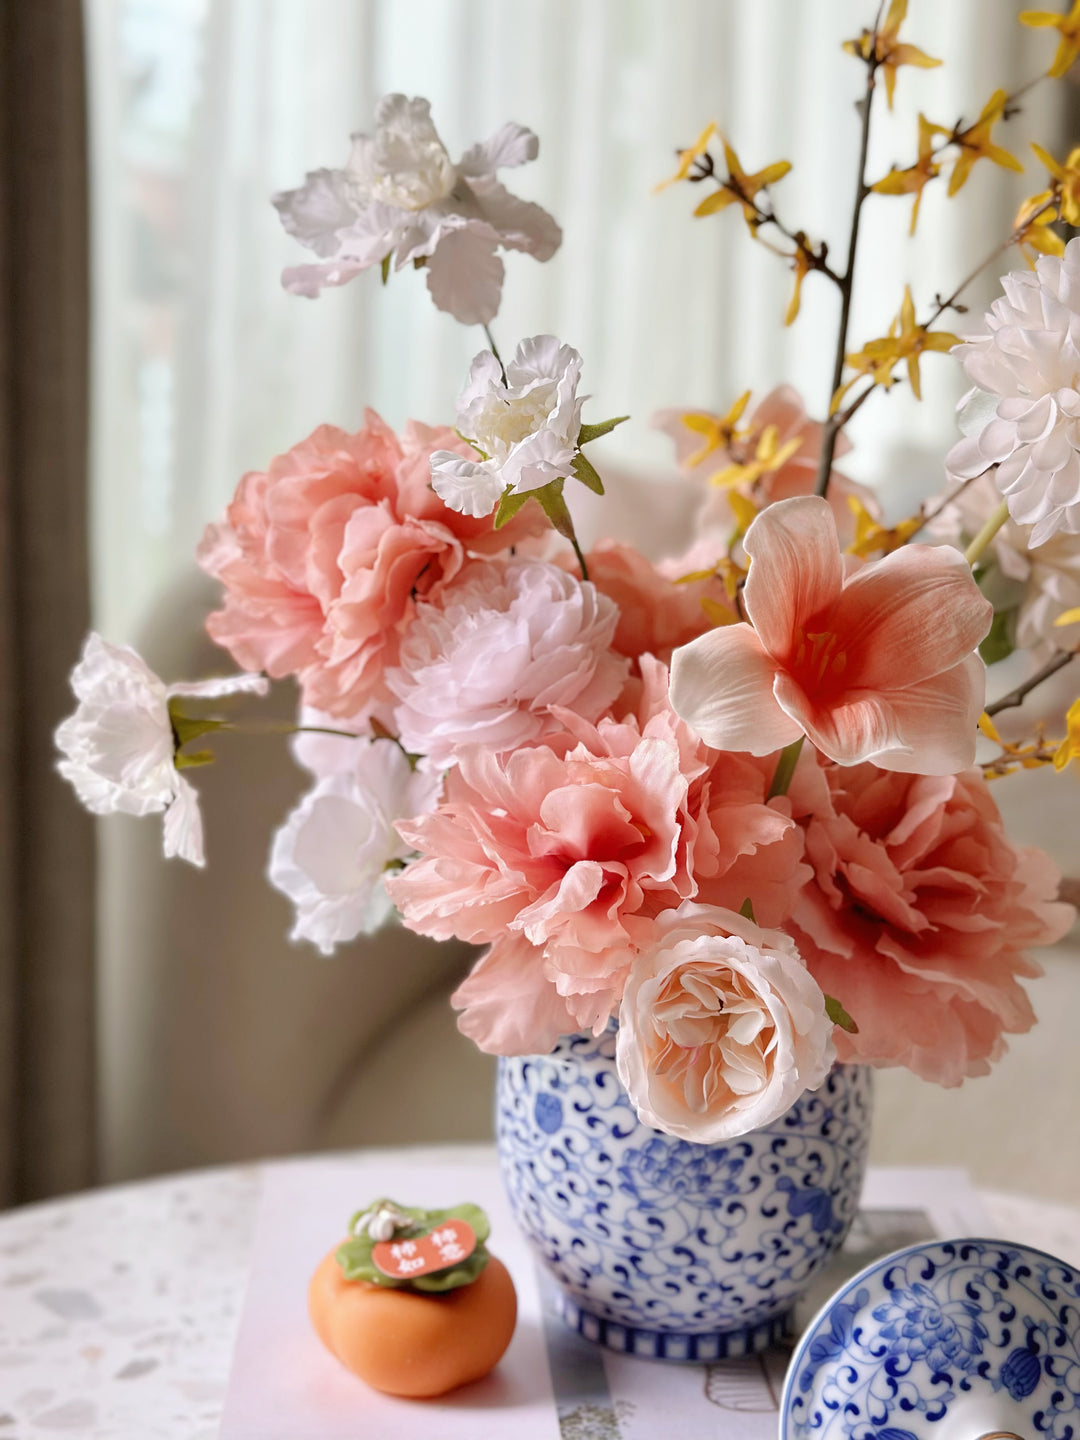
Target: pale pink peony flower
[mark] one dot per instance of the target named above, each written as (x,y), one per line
(331,855)
(1023,416)
(919,915)
(782,409)
(401,195)
(878,664)
(120,747)
(486,660)
(323,558)
(578,843)
(721,1027)
(1038,582)
(508,1005)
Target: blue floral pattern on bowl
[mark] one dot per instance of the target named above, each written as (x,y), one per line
(662,1247)
(944,1339)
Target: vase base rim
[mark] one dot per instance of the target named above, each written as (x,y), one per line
(688,1347)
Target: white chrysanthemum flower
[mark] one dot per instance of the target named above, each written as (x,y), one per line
(486,663)
(527,425)
(1039,583)
(1029,364)
(120,747)
(401,195)
(332,852)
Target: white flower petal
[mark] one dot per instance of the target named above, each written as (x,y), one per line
(510,145)
(183,831)
(466,486)
(465,276)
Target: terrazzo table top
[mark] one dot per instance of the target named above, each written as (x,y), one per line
(119,1307)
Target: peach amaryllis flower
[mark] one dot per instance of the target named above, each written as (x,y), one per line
(877,665)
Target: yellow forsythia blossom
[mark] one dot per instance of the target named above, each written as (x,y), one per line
(1067,26)
(887,49)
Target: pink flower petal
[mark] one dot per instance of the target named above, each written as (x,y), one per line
(508,1006)
(913,614)
(722,686)
(796,570)
(936,720)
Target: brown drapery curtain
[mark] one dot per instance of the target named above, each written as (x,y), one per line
(46,843)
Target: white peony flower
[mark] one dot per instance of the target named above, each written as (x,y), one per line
(120,747)
(1029,364)
(484,664)
(330,856)
(1040,583)
(721,1027)
(528,426)
(401,195)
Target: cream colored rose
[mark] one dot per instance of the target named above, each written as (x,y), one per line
(721,1027)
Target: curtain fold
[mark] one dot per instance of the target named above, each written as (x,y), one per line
(46,842)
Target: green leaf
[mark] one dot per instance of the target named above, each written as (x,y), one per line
(1001,640)
(746,910)
(509,506)
(554,507)
(386,267)
(191,762)
(482,453)
(354,1256)
(839,1016)
(593,432)
(587,475)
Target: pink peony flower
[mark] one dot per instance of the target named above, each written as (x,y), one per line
(919,915)
(656,614)
(721,1027)
(878,664)
(577,844)
(487,659)
(783,410)
(323,557)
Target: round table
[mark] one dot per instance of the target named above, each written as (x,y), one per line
(119,1307)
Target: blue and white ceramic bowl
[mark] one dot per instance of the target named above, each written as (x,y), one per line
(947,1340)
(662,1248)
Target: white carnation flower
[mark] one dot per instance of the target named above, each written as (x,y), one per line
(331,854)
(1039,583)
(401,195)
(486,662)
(120,747)
(527,425)
(1030,364)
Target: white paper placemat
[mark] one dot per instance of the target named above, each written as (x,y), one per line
(551,1384)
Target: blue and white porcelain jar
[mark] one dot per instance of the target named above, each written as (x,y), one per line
(660,1247)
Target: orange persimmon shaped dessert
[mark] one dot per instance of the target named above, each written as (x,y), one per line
(412,1302)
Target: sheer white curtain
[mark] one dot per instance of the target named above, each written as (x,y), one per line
(204,368)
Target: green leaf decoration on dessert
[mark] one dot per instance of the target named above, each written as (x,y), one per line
(357,1262)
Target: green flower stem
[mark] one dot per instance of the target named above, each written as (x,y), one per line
(975,550)
(785,768)
(495,351)
(580,557)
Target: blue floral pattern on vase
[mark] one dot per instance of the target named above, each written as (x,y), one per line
(950,1331)
(662,1247)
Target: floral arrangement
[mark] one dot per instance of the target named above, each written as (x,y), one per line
(730,799)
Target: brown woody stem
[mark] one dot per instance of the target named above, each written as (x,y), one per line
(847,280)
(1020,694)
